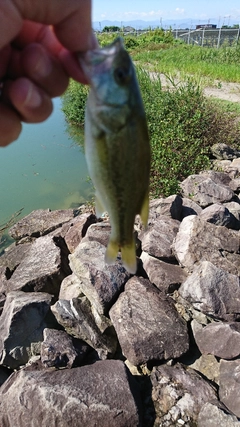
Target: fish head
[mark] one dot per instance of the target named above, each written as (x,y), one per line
(110,72)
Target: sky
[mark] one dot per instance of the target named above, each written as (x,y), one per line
(224,12)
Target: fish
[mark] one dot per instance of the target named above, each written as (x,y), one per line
(117,146)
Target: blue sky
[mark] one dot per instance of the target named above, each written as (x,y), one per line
(225,12)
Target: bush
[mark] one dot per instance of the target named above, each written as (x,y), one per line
(182,123)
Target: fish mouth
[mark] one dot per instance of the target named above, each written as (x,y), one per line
(100,59)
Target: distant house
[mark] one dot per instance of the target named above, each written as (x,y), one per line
(213,26)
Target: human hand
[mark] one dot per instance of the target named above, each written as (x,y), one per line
(36,60)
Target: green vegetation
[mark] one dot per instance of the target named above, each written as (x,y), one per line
(183,124)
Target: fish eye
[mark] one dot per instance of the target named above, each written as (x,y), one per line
(121,75)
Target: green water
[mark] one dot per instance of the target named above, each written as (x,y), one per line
(44,168)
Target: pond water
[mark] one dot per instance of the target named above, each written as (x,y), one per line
(44,168)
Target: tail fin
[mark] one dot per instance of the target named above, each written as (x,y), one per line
(128,255)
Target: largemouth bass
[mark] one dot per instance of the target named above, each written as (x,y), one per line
(117,146)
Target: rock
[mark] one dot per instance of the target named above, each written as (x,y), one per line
(78,230)
(203,190)
(70,287)
(220,339)
(189,207)
(81,321)
(235,185)
(13,256)
(212,291)
(158,237)
(101,283)
(170,206)
(99,232)
(57,349)
(22,323)
(40,222)
(147,324)
(167,277)
(207,365)
(236,163)
(40,270)
(213,416)
(234,208)
(103,394)
(178,395)
(198,240)
(219,215)
(224,152)
(229,385)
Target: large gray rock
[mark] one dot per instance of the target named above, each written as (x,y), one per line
(167,277)
(147,324)
(99,232)
(21,329)
(58,350)
(178,395)
(82,321)
(220,339)
(212,291)
(213,416)
(158,237)
(101,283)
(40,222)
(170,206)
(198,240)
(70,287)
(103,394)
(208,365)
(78,230)
(189,207)
(234,208)
(206,189)
(229,385)
(219,215)
(41,270)
(13,256)
(224,152)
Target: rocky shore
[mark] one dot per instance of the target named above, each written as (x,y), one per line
(87,344)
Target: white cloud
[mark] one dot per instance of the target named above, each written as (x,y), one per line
(179,11)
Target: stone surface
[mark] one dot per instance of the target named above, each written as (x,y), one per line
(224,152)
(13,256)
(81,321)
(213,416)
(234,208)
(70,287)
(219,215)
(78,230)
(207,365)
(170,206)
(102,395)
(40,270)
(158,237)
(203,190)
(147,324)
(212,291)
(229,385)
(235,185)
(198,240)
(101,283)
(189,207)
(167,277)
(220,339)
(40,222)
(178,395)
(58,350)
(99,232)
(4,374)
(21,329)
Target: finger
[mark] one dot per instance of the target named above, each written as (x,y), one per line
(31,103)
(63,15)
(44,69)
(10,125)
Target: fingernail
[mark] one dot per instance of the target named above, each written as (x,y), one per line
(33,98)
